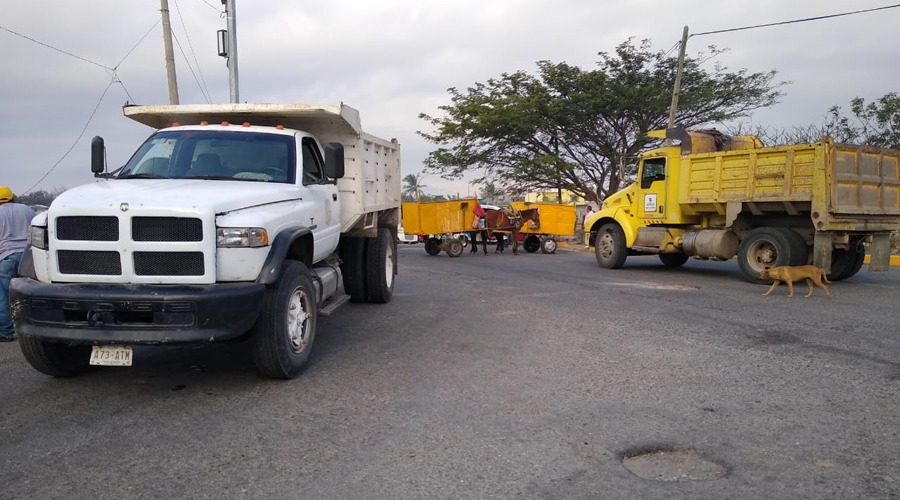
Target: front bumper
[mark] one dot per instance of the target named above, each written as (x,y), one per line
(134,314)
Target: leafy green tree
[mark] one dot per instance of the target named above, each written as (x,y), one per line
(41,197)
(569,128)
(874,124)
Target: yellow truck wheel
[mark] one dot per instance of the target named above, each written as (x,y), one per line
(766,247)
(609,246)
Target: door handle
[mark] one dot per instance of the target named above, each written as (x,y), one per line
(334,196)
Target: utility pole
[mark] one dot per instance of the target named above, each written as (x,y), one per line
(170,56)
(674,108)
(232,50)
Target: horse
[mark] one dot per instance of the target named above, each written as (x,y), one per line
(507,219)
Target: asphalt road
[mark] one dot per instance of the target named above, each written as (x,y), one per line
(534,376)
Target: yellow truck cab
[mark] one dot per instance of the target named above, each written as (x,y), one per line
(714,197)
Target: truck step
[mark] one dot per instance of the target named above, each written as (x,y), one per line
(330,305)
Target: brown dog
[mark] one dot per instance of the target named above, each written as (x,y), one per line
(790,274)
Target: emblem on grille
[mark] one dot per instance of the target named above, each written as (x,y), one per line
(123,207)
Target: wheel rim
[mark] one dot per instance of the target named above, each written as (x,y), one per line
(389,265)
(606,246)
(549,245)
(298,324)
(761,255)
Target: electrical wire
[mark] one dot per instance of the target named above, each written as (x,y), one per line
(202,83)
(80,135)
(56,48)
(817,18)
(181,49)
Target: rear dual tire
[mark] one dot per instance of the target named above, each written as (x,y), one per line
(766,247)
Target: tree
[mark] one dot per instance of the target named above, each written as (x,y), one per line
(568,128)
(491,193)
(873,124)
(876,123)
(40,197)
(412,187)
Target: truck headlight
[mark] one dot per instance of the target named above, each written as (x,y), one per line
(241,237)
(38,237)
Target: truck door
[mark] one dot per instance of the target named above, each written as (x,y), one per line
(323,194)
(652,205)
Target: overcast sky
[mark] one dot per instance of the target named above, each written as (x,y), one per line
(391,60)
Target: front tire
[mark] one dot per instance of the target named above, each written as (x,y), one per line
(455,247)
(284,332)
(609,246)
(380,261)
(55,359)
(548,245)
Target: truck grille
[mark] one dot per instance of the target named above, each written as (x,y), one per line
(89,262)
(168,263)
(77,228)
(166,229)
(118,253)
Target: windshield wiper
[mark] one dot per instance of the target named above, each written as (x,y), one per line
(212,177)
(143,176)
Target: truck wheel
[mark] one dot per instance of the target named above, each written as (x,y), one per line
(380,260)
(353,253)
(609,247)
(532,243)
(800,253)
(846,263)
(455,247)
(55,359)
(284,333)
(548,245)
(673,259)
(766,247)
(432,246)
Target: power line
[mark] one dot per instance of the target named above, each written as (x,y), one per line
(817,18)
(203,88)
(80,135)
(55,48)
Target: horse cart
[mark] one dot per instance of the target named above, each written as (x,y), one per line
(438,222)
(556,220)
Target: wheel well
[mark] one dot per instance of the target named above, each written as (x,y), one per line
(596,227)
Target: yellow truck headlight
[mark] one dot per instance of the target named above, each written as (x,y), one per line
(241,237)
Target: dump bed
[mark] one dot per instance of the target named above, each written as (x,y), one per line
(371,182)
(848,187)
(439,217)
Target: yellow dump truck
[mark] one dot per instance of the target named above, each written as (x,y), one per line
(716,197)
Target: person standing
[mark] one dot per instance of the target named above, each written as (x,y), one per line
(15,223)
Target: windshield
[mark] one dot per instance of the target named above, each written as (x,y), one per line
(219,154)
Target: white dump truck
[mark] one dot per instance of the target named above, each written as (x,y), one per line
(230,220)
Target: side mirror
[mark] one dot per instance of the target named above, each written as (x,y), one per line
(334,160)
(98,155)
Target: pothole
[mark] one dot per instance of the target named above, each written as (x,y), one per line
(673,465)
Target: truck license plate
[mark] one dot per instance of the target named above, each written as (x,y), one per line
(111,355)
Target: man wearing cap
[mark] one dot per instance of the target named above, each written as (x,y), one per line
(15,223)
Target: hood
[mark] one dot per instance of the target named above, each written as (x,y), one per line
(175,194)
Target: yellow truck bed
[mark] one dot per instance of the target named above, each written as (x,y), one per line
(847,186)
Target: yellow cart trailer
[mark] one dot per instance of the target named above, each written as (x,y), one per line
(556,220)
(438,222)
